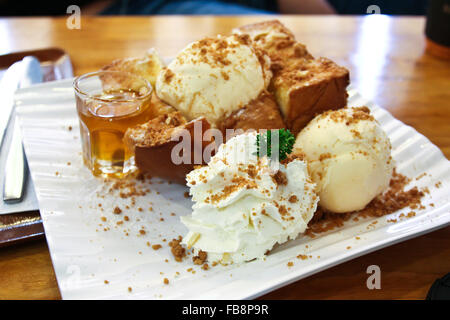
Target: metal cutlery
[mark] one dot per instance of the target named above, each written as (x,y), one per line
(27,71)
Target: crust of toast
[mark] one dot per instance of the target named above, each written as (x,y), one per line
(153,144)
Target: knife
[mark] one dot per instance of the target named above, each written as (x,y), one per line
(15,170)
(8,86)
(26,72)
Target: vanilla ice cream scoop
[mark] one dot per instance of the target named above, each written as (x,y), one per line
(244,205)
(349,158)
(214,77)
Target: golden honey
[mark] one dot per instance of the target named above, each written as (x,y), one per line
(104,119)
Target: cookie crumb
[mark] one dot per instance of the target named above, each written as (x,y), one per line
(178,251)
(396,197)
(200,258)
(156,246)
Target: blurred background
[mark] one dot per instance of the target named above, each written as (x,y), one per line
(217,7)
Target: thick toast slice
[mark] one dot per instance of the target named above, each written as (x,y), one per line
(302,85)
(260,113)
(147,67)
(169,147)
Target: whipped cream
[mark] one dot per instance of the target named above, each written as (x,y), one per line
(214,77)
(243,207)
(349,158)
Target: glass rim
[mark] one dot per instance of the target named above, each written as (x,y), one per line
(77,89)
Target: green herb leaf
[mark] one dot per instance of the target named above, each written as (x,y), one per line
(285,143)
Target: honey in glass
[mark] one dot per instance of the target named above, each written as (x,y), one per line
(108,103)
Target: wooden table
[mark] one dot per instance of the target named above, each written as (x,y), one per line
(387,64)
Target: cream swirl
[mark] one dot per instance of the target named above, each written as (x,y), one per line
(243,207)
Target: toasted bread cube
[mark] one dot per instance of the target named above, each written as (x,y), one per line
(267,35)
(147,67)
(260,113)
(303,86)
(303,92)
(153,145)
(277,41)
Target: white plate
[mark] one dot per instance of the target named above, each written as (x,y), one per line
(84,255)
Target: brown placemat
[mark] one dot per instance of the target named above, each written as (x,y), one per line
(19,227)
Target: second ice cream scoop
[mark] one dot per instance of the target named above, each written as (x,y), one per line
(349,158)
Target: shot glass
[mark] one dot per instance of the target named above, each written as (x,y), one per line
(108,103)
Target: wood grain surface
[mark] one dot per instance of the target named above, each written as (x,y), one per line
(388,65)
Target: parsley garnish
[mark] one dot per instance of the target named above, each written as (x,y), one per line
(285,143)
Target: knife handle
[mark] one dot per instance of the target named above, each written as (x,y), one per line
(15,173)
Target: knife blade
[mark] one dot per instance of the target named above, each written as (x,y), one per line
(16,170)
(8,86)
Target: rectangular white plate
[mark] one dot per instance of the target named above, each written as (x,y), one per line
(84,255)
